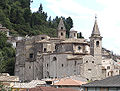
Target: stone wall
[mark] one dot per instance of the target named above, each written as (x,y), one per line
(90,69)
(58,65)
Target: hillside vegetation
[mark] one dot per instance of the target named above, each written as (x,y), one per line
(7,55)
(17,16)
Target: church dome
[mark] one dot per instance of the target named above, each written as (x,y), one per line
(72,29)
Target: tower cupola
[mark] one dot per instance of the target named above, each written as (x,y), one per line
(61,31)
(96,43)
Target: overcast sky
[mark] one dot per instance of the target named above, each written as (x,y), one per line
(83,12)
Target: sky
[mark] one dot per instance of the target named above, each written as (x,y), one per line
(83,14)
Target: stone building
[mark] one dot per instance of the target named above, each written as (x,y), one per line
(45,57)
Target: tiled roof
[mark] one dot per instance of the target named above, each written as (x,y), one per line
(31,84)
(108,82)
(79,77)
(69,82)
(71,40)
(9,79)
(51,89)
(49,79)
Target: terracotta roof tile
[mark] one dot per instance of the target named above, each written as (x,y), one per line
(51,89)
(9,79)
(69,81)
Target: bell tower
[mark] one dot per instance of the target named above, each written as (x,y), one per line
(96,43)
(61,31)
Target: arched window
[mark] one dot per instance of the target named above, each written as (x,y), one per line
(79,47)
(47,65)
(61,27)
(54,58)
(61,34)
(97,43)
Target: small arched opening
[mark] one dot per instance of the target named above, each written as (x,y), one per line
(54,58)
(97,43)
(61,33)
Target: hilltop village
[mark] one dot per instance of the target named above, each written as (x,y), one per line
(43,61)
(41,56)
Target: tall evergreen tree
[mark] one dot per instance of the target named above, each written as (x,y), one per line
(40,10)
(68,24)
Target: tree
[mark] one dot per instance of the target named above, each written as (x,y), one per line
(3,4)
(68,25)
(7,55)
(2,63)
(79,35)
(3,40)
(49,22)
(2,87)
(40,10)
(27,15)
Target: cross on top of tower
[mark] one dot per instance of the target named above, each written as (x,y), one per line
(95,17)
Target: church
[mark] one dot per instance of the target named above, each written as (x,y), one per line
(42,56)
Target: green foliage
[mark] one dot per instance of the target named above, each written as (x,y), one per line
(4,88)
(68,24)
(17,16)
(79,35)
(40,9)
(7,55)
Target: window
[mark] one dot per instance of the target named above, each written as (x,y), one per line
(103,71)
(47,65)
(89,69)
(45,49)
(61,34)
(75,63)
(86,61)
(54,58)
(23,90)
(108,67)
(62,65)
(79,47)
(42,38)
(97,43)
(92,61)
(55,46)
(31,55)
(61,27)
(74,34)
(29,67)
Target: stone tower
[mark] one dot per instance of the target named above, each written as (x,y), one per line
(61,31)
(96,43)
(73,34)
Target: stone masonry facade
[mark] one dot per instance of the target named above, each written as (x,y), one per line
(41,56)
